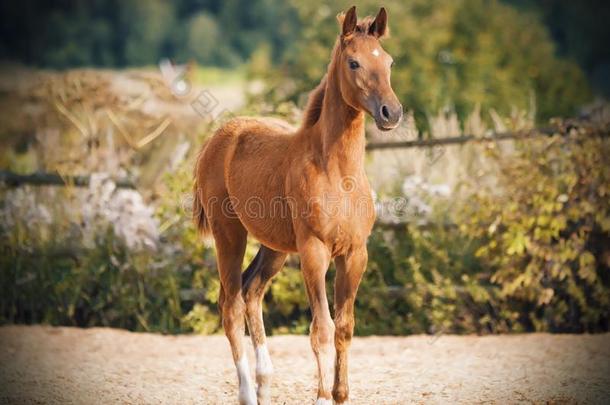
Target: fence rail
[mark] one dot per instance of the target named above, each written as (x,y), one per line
(53,179)
(458,140)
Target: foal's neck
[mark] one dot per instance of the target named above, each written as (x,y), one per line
(341,130)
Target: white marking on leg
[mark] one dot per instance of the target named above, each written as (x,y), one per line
(247,396)
(264,369)
(326,358)
(263,361)
(324,401)
(375,52)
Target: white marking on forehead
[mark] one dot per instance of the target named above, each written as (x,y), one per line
(375,52)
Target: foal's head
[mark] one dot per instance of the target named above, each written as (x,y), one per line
(363,68)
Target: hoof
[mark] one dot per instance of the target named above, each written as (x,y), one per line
(247,399)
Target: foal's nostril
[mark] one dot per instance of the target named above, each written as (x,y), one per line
(385,113)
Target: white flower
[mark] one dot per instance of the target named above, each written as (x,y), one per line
(83,215)
(411,184)
(441,190)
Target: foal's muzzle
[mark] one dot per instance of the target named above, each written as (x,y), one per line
(388,116)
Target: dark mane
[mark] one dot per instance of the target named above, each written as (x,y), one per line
(314,105)
(364,25)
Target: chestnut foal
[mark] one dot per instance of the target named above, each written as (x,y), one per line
(303,192)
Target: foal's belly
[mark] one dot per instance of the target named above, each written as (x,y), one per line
(255,177)
(268,220)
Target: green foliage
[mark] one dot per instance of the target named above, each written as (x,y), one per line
(457,54)
(529,253)
(201,320)
(286,304)
(544,229)
(49,274)
(201,39)
(146,26)
(448,52)
(423,281)
(132,32)
(580,30)
(105,286)
(530,249)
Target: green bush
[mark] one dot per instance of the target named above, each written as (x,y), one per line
(63,268)
(544,229)
(108,285)
(529,252)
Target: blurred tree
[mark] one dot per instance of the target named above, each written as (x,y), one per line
(118,33)
(581,31)
(452,54)
(202,38)
(146,25)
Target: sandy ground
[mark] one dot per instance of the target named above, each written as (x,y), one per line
(89,366)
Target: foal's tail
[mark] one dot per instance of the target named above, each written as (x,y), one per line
(201,221)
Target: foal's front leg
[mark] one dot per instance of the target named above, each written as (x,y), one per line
(315,259)
(349,273)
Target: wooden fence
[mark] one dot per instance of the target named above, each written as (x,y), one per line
(458,140)
(11,179)
(53,179)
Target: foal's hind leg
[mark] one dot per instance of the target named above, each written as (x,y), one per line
(230,238)
(257,276)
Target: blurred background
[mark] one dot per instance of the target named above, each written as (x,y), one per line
(104,105)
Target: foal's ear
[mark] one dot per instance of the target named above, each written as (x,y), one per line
(379,27)
(348,21)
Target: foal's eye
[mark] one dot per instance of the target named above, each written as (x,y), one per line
(353,65)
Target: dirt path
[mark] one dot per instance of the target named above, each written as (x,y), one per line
(89,366)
